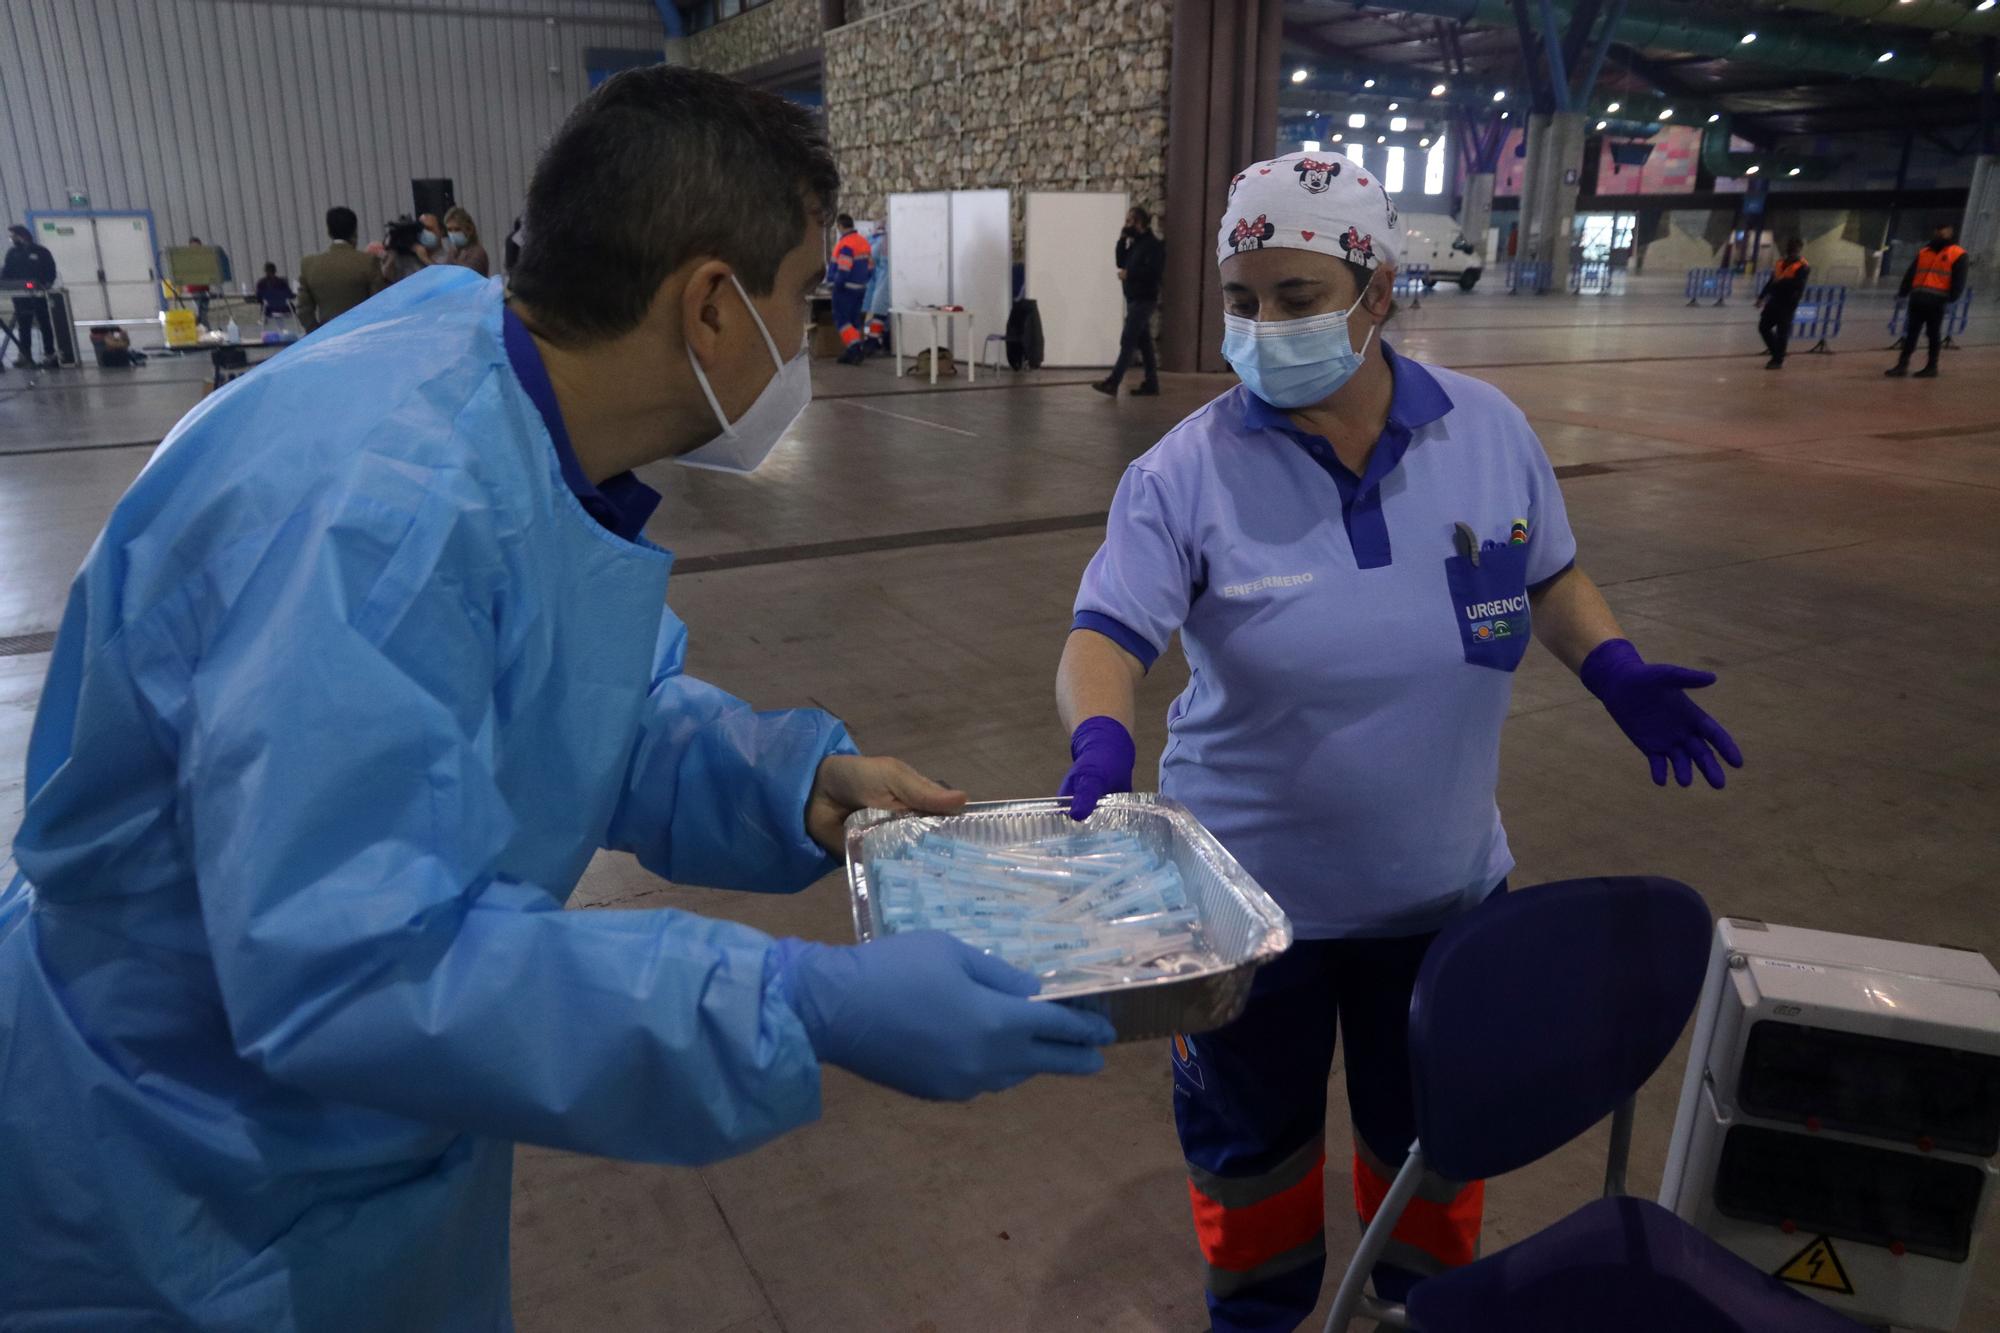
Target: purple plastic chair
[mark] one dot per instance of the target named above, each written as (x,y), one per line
(1534,1017)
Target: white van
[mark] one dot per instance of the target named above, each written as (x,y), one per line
(1434,239)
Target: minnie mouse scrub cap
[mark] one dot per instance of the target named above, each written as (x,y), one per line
(1310,201)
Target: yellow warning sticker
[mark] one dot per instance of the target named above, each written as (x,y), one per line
(1817,1266)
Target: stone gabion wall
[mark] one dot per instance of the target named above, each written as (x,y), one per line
(773,29)
(1014,94)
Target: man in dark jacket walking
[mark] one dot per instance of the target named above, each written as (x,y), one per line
(1936,279)
(1141,258)
(29,262)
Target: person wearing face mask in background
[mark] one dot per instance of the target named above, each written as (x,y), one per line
(331,732)
(462,245)
(1353,547)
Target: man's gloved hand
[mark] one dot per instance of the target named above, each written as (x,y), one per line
(1649,702)
(929,1015)
(1104,755)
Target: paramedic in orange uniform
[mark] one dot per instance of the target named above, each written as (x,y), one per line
(847,274)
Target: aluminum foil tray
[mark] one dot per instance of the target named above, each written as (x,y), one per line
(1244,929)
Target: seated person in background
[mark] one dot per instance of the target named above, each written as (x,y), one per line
(462,245)
(274,293)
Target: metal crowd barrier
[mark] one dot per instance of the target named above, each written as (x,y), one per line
(1593,276)
(1819,315)
(1531,275)
(1956,316)
(1703,283)
(1410,280)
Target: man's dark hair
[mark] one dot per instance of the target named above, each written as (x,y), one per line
(341,224)
(845,222)
(20,232)
(270,269)
(658,167)
(1145,218)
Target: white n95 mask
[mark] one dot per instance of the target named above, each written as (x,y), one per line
(749,440)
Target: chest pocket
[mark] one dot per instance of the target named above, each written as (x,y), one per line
(1490,604)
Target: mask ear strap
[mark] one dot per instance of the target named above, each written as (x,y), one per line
(769,341)
(701,378)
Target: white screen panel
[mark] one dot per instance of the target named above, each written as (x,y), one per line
(1072,276)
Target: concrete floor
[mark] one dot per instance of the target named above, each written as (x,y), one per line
(1821,538)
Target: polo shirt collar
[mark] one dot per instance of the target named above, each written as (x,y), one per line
(1416,400)
(621,504)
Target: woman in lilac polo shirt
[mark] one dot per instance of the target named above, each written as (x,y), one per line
(1354,549)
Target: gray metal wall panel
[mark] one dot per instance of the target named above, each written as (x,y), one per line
(241,121)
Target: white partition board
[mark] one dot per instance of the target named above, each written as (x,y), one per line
(1072,276)
(920,249)
(982,264)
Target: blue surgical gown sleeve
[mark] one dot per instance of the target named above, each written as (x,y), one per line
(341,803)
(717,791)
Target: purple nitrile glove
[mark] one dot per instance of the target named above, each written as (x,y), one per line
(1104,755)
(1649,702)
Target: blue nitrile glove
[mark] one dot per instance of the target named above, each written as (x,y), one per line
(1649,703)
(1104,755)
(929,1015)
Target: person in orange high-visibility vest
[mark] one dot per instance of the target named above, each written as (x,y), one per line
(1780,300)
(1936,279)
(847,274)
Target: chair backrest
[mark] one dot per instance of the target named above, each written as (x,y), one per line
(1542,1011)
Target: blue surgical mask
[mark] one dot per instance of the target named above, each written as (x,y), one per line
(1294,362)
(428,239)
(457,239)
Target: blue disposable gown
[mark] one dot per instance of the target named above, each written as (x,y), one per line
(346,695)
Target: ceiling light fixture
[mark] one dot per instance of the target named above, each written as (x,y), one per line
(1500,95)
(1983,6)
(1397,124)
(1793,172)
(1301,75)
(1748,38)
(1611,109)
(1357,121)
(1885,57)
(1602,123)
(1381,138)
(1714,117)
(1337,138)
(1437,90)
(1310,145)
(1423,143)
(1368,83)
(1667,114)
(1752,171)
(1394,105)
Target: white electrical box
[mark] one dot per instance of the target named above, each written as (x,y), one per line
(1840,1117)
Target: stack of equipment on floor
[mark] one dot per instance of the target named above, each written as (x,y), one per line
(1840,1116)
(1138,914)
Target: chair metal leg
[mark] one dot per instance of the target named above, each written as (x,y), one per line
(1348,1301)
(1621,1149)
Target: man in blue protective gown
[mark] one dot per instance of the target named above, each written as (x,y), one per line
(368,663)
